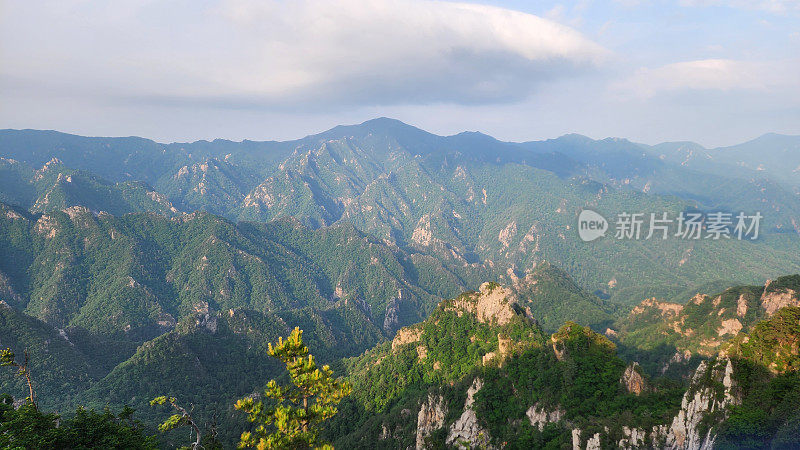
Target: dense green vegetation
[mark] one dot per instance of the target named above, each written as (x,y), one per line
(120,293)
(554,298)
(768,373)
(660,335)
(26,427)
(136,275)
(59,370)
(578,371)
(55,187)
(467,202)
(584,381)
(769,413)
(454,342)
(291,416)
(773,343)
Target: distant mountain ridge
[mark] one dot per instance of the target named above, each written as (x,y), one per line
(464,199)
(704,323)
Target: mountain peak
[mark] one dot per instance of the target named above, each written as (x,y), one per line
(766,136)
(474,138)
(379,126)
(554,297)
(384,121)
(491,304)
(573,137)
(771,139)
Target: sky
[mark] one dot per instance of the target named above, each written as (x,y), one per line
(717,72)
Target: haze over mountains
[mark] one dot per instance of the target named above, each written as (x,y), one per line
(468,200)
(132,268)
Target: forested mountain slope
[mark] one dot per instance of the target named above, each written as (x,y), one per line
(464,200)
(131,269)
(479,372)
(669,333)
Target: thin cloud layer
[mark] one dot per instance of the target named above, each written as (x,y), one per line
(248,53)
(712,75)
(774,6)
(279,69)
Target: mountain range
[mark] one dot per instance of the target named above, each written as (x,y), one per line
(437,272)
(473,203)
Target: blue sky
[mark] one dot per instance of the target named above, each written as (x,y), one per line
(716,72)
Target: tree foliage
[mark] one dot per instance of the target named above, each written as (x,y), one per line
(27,427)
(8,358)
(182,419)
(294,413)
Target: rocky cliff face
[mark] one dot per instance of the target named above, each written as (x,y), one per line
(687,431)
(493,307)
(392,317)
(466,433)
(633,381)
(774,299)
(706,322)
(504,347)
(651,306)
(700,400)
(405,336)
(430,418)
(491,304)
(540,416)
(690,419)
(711,392)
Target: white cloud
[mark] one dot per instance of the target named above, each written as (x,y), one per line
(711,75)
(242,53)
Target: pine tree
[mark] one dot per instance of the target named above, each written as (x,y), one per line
(293,417)
(8,358)
(181,419)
